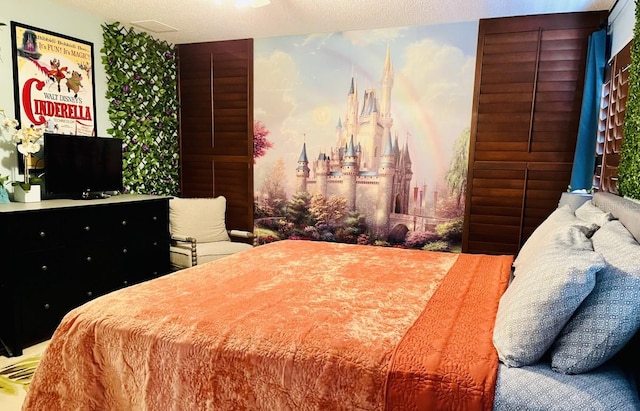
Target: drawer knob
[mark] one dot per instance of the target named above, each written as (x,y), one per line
(47,306)
(43,234)
(125,282)
(155,243)
(88,259)
(155,218)
(89,293)
(124,222)
(45,268)
(124,251)
(87,228)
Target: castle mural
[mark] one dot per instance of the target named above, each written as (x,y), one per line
(379,162)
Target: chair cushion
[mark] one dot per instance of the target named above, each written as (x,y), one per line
(543,295)
(213,251)
(200,218)
(181,252)
(610,315)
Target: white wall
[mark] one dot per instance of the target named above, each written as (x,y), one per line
(621,22)
(46,15)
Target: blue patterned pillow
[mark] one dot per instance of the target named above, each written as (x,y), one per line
(537,387)
(543,295)
(610,315)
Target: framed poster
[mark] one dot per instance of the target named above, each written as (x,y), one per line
(53,81)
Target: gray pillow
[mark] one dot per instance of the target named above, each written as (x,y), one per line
(624,209)
(537,387)
(610,315)
(543,295)
(560,217)
(592,214)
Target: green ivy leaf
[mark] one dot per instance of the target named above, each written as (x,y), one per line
(151,162)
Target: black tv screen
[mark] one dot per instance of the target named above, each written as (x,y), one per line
(81,166)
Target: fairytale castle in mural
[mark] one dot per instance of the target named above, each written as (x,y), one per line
(366,166)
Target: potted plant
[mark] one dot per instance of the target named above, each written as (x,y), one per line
(27,141)
(4,196)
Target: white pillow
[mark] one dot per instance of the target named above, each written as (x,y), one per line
(543,296)
(201,218)
(560,217)
(592,214)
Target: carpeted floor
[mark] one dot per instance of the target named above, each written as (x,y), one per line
(15,376)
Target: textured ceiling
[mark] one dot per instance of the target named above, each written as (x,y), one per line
(205,20)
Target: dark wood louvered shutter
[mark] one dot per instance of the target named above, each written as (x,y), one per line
(215,87)
(613,104)
(526,110)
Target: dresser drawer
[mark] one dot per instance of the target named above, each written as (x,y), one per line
(145,219)
(143,259)
(35,230)
(94,265)
(42,308)
(41,269)
(89,224)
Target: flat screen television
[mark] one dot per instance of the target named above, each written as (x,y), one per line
(81,166)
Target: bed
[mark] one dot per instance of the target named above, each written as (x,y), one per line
(302,325)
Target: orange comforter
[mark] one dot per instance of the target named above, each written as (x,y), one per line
(292,325)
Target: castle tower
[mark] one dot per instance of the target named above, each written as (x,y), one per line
(387,85)
(334,160)
(386,173)
(340,138)
(404,177)
(323,168)
(350,171)
(351,121)
(397,185)
(302,171)
(370,131)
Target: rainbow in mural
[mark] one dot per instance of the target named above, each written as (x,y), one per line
(367,132)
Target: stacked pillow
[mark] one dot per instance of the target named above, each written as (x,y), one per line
(561,218)
(572,297)
(610,315)
(591,214)
(547,288)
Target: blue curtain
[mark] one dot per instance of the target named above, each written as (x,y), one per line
(584,158)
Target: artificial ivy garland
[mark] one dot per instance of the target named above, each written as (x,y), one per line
(629,167)
(143,108)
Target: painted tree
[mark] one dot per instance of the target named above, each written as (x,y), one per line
(328,211)
(353,226)
(457,174)
(273,190)
(260,141)
(298,209)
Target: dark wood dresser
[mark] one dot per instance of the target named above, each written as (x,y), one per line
(59,254)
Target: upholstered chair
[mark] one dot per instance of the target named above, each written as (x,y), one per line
(199,233)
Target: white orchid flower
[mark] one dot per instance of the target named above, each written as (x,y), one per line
(28,147)
(9,122)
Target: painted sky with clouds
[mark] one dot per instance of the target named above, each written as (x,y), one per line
(301,85)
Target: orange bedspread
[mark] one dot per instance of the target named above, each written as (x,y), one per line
(292,325)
